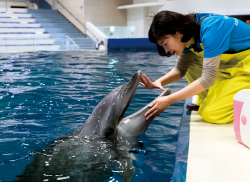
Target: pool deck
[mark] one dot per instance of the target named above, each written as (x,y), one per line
(209,152)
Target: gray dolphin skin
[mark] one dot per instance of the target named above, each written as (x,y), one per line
(99,148)
(105,117)
(136,124)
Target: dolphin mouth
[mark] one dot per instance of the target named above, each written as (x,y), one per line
(136,76)
(134,82)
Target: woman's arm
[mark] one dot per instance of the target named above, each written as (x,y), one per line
(170,77)
(175,74)
(162,103)
(209,74)
(207,79)
(180,69)
(192,89)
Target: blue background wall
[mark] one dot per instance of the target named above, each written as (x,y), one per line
(130,43)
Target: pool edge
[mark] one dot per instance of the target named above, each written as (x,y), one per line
(182,147)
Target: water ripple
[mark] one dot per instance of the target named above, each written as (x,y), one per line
(46,95)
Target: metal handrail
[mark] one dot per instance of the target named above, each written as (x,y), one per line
(73,42)
(74,17)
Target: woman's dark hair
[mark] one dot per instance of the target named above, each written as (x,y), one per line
(168,22)
(101,43)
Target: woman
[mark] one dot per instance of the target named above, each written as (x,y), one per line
(214,55)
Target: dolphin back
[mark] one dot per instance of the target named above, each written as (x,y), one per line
(136,124)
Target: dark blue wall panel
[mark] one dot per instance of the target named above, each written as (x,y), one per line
(131,43)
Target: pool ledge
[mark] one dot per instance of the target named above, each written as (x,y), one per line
(209,152)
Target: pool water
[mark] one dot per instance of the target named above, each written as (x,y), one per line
(46,95)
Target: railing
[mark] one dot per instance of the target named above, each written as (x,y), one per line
(74,17)
(73,42)
(97,34)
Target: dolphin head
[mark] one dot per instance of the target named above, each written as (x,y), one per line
(125,94)
(104,119)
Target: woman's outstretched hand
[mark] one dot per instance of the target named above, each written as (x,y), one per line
(157,107)
(147,83)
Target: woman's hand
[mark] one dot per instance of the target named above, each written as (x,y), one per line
(147,83)
(157,107)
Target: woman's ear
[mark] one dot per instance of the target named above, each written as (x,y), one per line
(179,34)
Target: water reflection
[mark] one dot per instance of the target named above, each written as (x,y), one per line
(82,159)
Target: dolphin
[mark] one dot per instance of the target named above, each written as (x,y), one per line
(103,142)
(107,118)
(136,124)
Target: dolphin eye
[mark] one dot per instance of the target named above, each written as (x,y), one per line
(109,132)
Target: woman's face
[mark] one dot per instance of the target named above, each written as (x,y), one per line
(173,44)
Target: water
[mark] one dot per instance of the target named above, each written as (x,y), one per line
(46,95)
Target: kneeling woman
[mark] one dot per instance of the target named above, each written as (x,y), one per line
(214,55)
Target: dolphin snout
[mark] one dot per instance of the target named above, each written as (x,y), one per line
(139,73)
(136,77)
